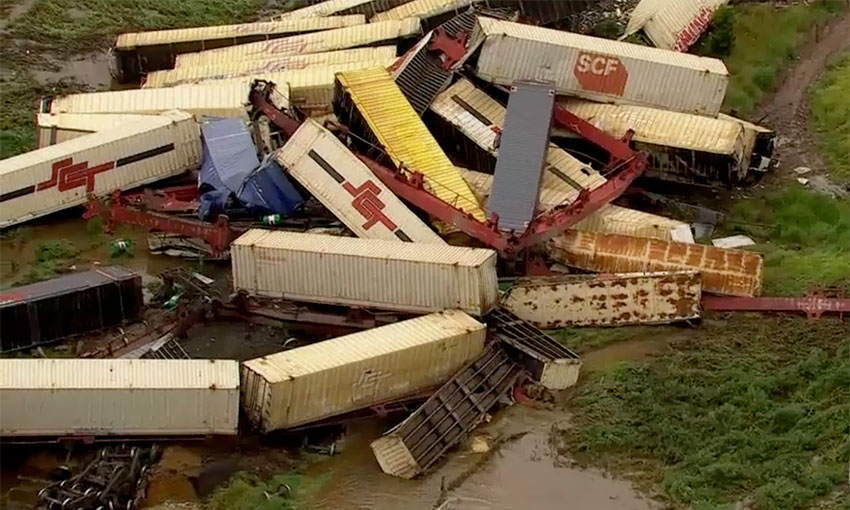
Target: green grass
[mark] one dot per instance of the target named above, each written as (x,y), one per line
(753,410)
(831,117)
(582,340)
(803,236)
(766,38)
(245,491)
(51,259)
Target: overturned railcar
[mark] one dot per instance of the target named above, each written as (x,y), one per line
(691,149)
(140,52)
(76,303)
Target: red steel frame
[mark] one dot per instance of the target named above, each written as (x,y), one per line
(814,305)
(218,235)
(626,164)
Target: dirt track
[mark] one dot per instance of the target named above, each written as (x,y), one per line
(787,109)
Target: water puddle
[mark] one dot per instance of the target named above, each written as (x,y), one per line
(519,469)
(631,350)
(91,69)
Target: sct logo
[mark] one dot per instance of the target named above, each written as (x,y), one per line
(601,73)
(67,175)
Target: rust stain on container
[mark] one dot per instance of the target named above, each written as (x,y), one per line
(606,299)
(726,272)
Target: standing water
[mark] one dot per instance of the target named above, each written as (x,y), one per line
(515,468)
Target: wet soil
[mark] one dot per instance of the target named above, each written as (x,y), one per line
(519,469)
(787,109)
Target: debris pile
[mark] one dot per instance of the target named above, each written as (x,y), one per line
(379,176)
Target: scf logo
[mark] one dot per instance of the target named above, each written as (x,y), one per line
(601,73)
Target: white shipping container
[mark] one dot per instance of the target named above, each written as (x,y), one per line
(213,99)
(117,397)
(344,374)
(672,24)
(60,176)
(239,67)
(422,9)
(346,186)
(606,299)
(263,29)
(600,69)
(56,128)
(408,277)
(328,7)
(317,42)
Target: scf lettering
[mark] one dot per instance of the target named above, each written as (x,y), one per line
(597,65)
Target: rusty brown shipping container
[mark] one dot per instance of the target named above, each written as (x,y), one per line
(606,299)
(727,272)
(76,303)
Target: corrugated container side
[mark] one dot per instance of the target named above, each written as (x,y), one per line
(329,378)
(326,8)
(236,67)
(190,75)
(343,184)
(365,272)
(727,272)
(79,397)
(673,24)
(319,42)
(394,457)
(39,182)
(67,305)
(601,69)
(422,9)
(373,102)
(56,128)
(234,33)
(606,300)
(610,219)
(662,127)
(214,99)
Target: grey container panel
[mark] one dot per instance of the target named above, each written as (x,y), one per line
(522,153)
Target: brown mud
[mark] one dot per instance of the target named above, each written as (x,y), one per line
(787,109)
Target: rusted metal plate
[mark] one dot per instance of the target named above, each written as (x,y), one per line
(606,299)
(726,272)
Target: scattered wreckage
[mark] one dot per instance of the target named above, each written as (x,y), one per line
(327,151)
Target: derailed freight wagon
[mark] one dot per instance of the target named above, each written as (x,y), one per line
(56,128)
(61,176)
(371,34)
(47,399)
(228,99)
(682,147)
(369,273)
(338,7)
(600,69)
(346,186)
(352,372)
(605,299)
(139,52)
(76,303)
(229,68)
(468,123)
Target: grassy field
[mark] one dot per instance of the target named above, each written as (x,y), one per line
(803,236)
(287,491)
(753,410)
(766,37)
(831,118)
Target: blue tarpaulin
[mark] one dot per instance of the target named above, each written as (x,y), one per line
(229,153)
(268,191)
(230,166)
